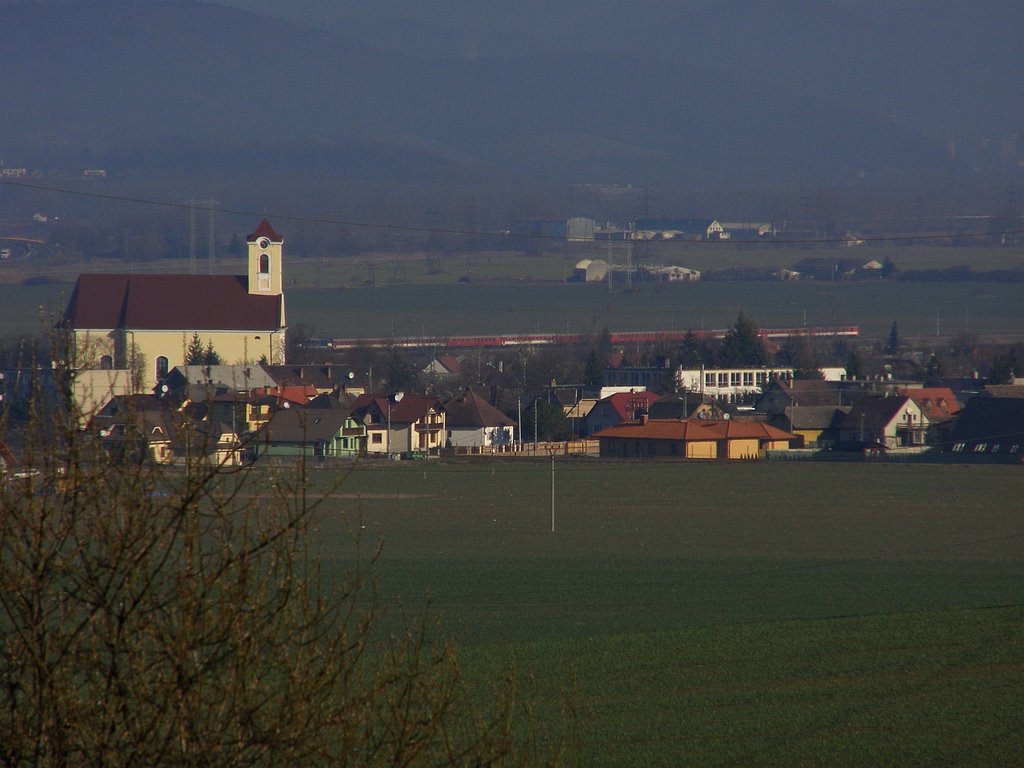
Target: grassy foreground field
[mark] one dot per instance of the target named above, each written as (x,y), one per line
(714,614)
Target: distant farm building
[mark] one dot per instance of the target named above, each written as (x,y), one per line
(590,271)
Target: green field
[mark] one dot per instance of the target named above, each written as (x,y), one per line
(986,309)
(413,310)
(722,614)
(511,293)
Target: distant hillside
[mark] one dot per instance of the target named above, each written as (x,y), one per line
(949,69)
(201,88)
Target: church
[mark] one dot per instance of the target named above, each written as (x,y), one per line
(143,323)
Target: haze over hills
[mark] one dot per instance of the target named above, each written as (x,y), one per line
(950,70)
(144,82)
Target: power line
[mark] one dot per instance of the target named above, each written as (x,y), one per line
(411,229)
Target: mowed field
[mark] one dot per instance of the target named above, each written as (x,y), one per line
(923,310)
(720,614)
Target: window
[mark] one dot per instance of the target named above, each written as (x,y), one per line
(106,362)
(161,368)
(709,379)
(377,438)
(734,379)
(723,379)
(760,377)
(748,378)
(264,264)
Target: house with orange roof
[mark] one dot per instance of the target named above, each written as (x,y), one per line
(144,323)
(691,439)
(938,404)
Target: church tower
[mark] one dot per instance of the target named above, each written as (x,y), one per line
(265,276)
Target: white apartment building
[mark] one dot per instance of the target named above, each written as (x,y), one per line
(733,384)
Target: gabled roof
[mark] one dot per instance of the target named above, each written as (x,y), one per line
(413,407)
(937,403)
(805,392)
(679,406)
(626,404)
(691,430)
(332,403)
(170,302)
(264,230)
(816,416)
(368,402)
(875,412)
(240,378)
(298,395)
(302,425)
(468,409)
(325,377)
(449,362)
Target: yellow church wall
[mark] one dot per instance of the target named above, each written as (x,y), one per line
(142,348)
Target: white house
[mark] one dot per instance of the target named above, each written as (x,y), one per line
(474,423)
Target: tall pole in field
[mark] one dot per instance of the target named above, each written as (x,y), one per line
(552,491)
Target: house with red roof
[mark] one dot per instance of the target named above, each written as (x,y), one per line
(691,439)
(144,323)
(618,408)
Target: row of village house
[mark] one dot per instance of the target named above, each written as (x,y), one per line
(238,414)
(129,330)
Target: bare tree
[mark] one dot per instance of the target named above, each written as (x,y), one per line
(177,615)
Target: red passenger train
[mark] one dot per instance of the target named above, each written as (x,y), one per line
(571,339)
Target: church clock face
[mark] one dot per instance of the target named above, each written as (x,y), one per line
(263,243)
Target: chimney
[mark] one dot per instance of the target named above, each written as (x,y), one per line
(644,418)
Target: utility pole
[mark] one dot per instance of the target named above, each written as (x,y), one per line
(552,451)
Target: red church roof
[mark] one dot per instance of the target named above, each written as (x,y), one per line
(170,302)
